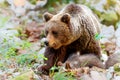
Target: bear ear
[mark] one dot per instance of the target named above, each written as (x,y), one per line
(47,16)
(65,18)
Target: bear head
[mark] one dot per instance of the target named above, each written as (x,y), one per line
(57,30)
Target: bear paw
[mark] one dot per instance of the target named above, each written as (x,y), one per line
(42,70)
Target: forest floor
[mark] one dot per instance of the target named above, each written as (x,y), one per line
(22,48)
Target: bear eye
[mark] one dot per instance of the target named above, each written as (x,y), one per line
(54,32)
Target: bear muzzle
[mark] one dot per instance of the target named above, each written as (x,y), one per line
(46,43)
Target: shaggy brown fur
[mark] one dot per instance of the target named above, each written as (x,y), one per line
(90,60)
(71,30)
(112,59)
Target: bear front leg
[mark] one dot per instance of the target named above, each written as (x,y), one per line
(50,54)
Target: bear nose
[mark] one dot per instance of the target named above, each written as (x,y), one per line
(46,43)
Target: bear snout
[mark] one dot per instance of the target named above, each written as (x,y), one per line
(46,43)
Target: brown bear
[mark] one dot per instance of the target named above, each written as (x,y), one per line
(86,60)
(112,59)
(70,31)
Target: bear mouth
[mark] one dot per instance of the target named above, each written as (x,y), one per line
(55,46)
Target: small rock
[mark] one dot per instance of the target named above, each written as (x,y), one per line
(118,41)
(117,33)
(86,77)
(42,51)
(97,75)
(108,32)
(117,78)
